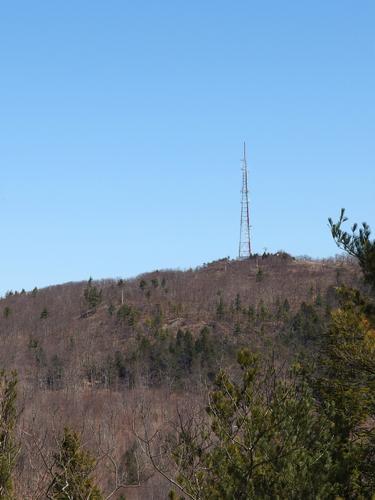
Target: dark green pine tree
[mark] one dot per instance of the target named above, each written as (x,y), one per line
(44,314)
(74,467)
(220,308)
(237,303)
(7,312)
(262,439)
(92,295)
(358,244)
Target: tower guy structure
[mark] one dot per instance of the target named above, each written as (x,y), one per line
(244,251)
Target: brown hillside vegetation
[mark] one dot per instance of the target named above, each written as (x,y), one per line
(89,354)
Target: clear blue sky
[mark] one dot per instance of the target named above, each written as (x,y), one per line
(121,129)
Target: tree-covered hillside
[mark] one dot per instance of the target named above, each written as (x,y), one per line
(91,356)
(155,329)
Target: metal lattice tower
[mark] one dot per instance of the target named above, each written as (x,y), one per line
(244,251)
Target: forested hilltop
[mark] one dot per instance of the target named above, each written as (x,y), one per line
(149,331)
(114,377)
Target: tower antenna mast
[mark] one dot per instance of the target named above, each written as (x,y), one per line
(244,251)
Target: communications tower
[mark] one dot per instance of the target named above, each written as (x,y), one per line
(244,251)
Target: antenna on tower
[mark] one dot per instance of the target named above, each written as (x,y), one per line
(244,251)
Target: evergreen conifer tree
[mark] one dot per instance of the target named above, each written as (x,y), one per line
(74,467)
